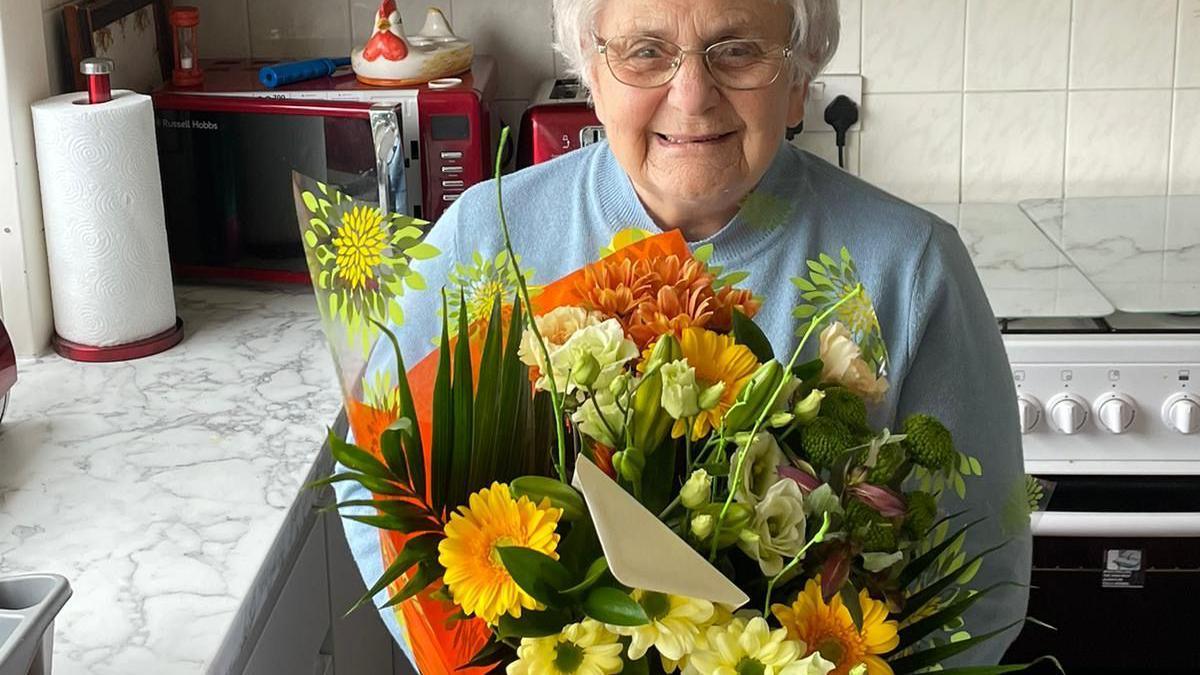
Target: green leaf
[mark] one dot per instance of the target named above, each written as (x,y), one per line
(703,253)
(391,447)
(732,279)
(612,605)
(514,394)
(410,435)
(443,419)
(354,457)
(1000,670)
(803,284)
(921,598)
(815,266)
(916,631)
(936,655)
(914,569)
(809,370)
(804,312)
(533,624)
(393,523)
(596,570)
(485,456)
(407,512)
(539,575)
(464,403)
(828,262)
(580,547)
(491,654)
(376,485)
(850,600)
(747,333)
(427,573)
(417,549)
(821,280)
(658,478)
(422,251)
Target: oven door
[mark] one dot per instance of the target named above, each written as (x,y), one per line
(1116,564)
(226,166)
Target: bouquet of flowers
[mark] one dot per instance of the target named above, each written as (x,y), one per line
(616,473)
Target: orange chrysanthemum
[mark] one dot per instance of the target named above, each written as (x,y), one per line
(615,289)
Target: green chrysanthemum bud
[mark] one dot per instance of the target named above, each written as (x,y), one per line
(842,405)
(880,538)
(929,442)
(877,533)
(888,464)
(825,440)
(922,509)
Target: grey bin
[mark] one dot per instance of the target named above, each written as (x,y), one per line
(28,605)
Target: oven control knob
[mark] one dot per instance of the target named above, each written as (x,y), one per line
(1030,410)
(1115,413)
(1068,413)
(1181,412)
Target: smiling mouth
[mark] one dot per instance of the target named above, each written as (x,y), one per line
(683,140)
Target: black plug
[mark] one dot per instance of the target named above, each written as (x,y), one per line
(841,114)
(792,132)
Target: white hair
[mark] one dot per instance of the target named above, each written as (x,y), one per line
(815,31)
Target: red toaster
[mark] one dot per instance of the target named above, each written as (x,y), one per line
(559,119)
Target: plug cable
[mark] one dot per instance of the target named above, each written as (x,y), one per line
(841,114)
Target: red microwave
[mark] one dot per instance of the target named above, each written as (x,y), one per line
(227,149)
(559,119)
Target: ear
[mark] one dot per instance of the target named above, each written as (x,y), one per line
(797,95)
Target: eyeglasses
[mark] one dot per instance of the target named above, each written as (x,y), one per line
(647,62)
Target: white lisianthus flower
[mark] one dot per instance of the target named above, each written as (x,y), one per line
(556,326)
(696,491)
(844,364)
(675,624)
(750,646)
(778,528)
(605,342)
(760,469)
(680,393)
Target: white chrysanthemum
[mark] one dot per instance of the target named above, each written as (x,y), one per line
(742,646)
(585,648)
(675,624)
(844,365)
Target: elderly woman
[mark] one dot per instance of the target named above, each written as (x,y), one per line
(696,97)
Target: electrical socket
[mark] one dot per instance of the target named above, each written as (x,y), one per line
(821,93)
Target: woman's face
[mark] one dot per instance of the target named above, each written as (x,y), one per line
(691,144)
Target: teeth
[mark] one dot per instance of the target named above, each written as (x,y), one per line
(700,139)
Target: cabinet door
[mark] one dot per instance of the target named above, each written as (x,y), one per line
(292,637)
(362,645)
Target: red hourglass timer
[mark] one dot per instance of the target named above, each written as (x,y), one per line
(184,21)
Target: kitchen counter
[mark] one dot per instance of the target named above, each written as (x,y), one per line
(169,490)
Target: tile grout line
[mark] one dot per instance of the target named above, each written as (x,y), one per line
(1067,116)
(962,103)
(1174,98)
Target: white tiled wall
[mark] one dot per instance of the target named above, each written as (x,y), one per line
(972,100)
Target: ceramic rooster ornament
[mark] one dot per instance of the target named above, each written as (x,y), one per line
(392,59)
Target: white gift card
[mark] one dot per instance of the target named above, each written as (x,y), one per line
(642,551)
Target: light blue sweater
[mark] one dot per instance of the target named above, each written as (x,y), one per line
(947,358)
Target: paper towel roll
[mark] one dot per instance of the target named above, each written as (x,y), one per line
(110,274)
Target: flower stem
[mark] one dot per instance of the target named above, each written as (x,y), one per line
(817,538)
(736,478)
(555,400)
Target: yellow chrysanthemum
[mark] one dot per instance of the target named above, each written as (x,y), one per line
(474,573)
(742,646)
(675,623)
(716,358)
(829,629)
(359,245)
(586,648)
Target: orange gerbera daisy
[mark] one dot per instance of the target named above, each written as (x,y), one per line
(716,358)
(829,629)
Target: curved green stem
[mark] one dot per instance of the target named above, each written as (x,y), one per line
(736,478)
(555,399)
(817,538)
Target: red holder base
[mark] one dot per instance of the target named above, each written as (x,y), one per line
(126,352)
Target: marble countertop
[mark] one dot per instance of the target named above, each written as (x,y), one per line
(167,489)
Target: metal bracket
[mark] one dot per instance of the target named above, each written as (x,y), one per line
(385,132)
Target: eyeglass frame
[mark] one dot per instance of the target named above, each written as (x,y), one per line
(602,49)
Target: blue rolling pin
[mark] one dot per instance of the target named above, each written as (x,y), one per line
(297,71)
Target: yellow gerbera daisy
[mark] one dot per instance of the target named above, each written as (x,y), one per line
(742,646)
(585,648)
(716,358)
(829,629)
(477,578)
(675,623)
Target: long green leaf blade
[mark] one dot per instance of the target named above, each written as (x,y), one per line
(416,550)
(464,400)
(443,418)
(914,569)
(915,632)
(936,655)
(484,458)
(427,573)
(513,392)
(748,333)
(921,598)
(354,457)
(408,410)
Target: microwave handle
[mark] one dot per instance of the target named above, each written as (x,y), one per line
(385,133)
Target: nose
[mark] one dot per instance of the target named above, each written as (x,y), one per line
(693,90)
